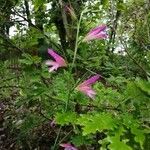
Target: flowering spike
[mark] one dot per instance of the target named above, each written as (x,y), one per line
(71,11)
(86,88)
(53,123)
(96,33)
(59,61)
(68,146)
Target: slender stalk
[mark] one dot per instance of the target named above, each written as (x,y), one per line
(134,60)
(65,137)
(76,43)
(71,89)
(57,138)
(74,57)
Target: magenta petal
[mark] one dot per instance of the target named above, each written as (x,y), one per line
(54,67)
(59,61)
(97,36)
(91,94)
(58,58)
(50,63)
(71,11)
(98,29)
(65,145)
(86,88)
(68,146)
(96,33)
(91,80)
(53,123)
(51,69)
(101,36)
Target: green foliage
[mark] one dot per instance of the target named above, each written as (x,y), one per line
(116,144)
(96,122)
(29,60)
(41,109)
(66,118)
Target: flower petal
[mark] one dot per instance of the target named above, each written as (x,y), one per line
(53,123)
(58,58)
(98,29)
(91,80)
(68,146)
(70,10)
(87,90)
(50,63)
(55,67)
(91,94)
(65,145)
(96,33)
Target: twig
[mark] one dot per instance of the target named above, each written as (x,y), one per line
(57,137)
(103,107)
(12,44)
(34,26)
(125,48)
(10,86)
(5,80)
(64,137)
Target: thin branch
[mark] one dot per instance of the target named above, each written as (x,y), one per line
(27,12)
(113,30)
(64,17)
(10,86)
(34,26)
(102,107)
(10,42)
(130,56)
(64,137)
(5,80)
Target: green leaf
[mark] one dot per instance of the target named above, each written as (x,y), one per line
(136,93)
(30,121)
(116,144)
(29,60)
(132,124)
(143,85)
(66,118)
(96,122)
(79,140)
(120,6)
(37,4)
(139,136)
(105,3)
(62,84)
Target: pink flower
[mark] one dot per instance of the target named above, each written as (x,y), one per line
(68,146)
(53,123)
(96,33)
(59,61)
(71,12)
(86,88)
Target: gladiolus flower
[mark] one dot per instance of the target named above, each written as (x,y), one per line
(71,12)
(86,88)
(59,61)
(96,33)
(53,123)
(68,146)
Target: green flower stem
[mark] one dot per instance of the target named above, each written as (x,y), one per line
(76,43)
(73,62)
(57,138)
(74,57)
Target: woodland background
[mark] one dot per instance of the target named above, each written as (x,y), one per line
(31,97)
